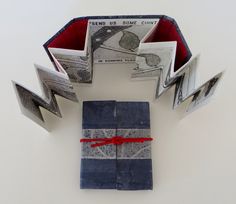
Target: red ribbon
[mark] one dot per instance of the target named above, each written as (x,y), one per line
(116,140)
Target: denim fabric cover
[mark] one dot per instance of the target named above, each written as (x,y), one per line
(123,167)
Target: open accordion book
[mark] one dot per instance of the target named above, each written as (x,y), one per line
(154,44)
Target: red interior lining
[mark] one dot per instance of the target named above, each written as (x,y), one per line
(73,37)
(167,31)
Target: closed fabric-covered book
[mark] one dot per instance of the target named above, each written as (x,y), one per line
(116,146)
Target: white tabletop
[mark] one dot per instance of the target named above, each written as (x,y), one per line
(193,158)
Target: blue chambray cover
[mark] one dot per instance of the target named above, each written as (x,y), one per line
(123,167)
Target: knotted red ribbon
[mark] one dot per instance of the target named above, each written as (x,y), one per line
(116,140)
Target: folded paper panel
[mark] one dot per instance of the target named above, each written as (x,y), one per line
(52,83)
(153,43)
(168,30)
(112,39)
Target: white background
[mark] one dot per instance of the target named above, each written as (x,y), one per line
(194,159)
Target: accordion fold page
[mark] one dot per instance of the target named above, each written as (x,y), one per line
(154,44)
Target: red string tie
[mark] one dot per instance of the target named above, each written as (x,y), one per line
(116,140)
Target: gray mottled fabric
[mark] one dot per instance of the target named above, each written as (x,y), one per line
(124,167)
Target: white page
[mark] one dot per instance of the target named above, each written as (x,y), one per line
(117,40)
(154,60)
(76,63)
(204,93)
(186,84)
(52,82)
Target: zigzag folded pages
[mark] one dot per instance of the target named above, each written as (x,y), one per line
(154,44)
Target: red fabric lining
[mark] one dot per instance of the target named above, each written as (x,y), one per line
(167,31)
(73,37)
